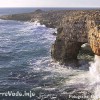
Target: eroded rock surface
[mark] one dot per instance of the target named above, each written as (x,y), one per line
(94,34)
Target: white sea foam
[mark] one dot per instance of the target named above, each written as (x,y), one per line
(95,69)
(79,79)
(41,37)
(95,76)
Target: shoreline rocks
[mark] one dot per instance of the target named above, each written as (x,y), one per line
(74,28)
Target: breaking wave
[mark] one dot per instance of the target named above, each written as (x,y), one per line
(26,64)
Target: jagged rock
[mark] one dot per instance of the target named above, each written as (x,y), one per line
(94,34)
(74,28)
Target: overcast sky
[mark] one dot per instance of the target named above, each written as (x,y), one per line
(49,3)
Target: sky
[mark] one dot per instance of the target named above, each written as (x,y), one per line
(49,3)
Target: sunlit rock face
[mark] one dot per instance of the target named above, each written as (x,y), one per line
(94,34)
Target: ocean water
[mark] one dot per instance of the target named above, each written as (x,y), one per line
(7,11)
(26,65)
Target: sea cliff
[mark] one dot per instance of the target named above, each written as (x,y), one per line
(74,28)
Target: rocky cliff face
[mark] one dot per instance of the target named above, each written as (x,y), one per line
(94,34)
(76,30)
(73,30)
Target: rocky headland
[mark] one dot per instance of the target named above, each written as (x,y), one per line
(74,28)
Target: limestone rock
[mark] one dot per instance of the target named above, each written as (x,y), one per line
(94,35)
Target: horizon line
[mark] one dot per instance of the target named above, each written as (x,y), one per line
(49,7)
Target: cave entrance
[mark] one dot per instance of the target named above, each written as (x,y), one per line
(85,53)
